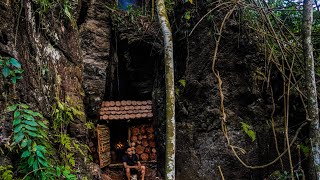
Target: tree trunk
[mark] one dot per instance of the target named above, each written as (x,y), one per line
(312,104)
(170,99)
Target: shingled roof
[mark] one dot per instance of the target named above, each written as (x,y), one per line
(118,110)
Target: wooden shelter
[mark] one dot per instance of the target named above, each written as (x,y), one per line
(127,123)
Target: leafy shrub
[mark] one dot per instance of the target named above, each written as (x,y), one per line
(30,134)
(7,173)
(11,69)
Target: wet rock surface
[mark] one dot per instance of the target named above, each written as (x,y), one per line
(79,63)
(49,53)
(95,39)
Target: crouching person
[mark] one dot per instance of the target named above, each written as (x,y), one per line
(132,164)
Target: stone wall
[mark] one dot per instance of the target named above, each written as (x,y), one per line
(49,51)
(95,47)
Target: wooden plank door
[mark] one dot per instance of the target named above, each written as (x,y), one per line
(104,145)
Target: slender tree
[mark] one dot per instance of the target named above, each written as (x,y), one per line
(312,104)
(170,99)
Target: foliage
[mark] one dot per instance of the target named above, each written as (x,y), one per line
(170,4)
(134,12)
(305,149)
(7,173)
(68,147)
(63,5)
(63,171)
(89,125)
(63,114)
(180,87)
(288,12)
(248,130)
(283,175)
(30,134)
(11,69)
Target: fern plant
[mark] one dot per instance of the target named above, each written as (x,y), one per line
(63,114)
(7,173)
(30,134)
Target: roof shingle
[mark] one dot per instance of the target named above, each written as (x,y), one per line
(118,110)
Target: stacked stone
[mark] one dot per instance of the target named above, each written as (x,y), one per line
(143,143)
(117,110)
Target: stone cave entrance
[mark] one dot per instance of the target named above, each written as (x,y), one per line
(126,116)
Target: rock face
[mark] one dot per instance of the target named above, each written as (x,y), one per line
(95,39)
(52,63)
(50,57)
(84,65)
(201,144)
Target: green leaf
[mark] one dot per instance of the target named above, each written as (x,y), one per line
(43,133)
(60,105)
(66,173)
(14,80)
(32,113)
(25,143)
(23,167)
(38,114)
(32,134)
(18,77)
(35,165)
(18,71)
(24,106)
(31,123)
(39,154)
(12,108)
(42,124)
(28,117)
(18,128)
(187,16)
(58,171)
(248,130)
(177,91)
(16,122)
(42,162)
(18,137)
(7,175)
(72,161)
(16,114)
(41,148)
(305,150)
(15,63)
(30,128)
(30,161)
(5,71)
(182,82)
(71,177)
(25,154)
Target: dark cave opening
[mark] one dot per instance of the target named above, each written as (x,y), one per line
(118,140)
(132,71)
